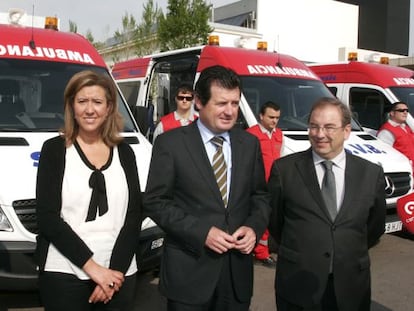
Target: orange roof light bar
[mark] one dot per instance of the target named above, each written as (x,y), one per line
(352,56)
(213,40)
(262,45)
(384,60)
(51,23)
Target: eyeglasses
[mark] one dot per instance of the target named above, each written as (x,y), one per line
(401,110)
(187,98)
(326,129)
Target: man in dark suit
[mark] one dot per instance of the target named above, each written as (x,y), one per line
(324,234)
(212,213)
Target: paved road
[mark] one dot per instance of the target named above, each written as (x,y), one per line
(392,283)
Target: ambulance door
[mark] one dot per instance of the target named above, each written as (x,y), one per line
(370,107)
(166,76)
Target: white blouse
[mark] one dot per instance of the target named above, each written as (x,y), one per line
(100,234)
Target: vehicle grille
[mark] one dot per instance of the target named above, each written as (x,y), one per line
(396,184)
(26,212)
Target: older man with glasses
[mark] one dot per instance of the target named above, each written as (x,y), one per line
(397,133)
(184,114)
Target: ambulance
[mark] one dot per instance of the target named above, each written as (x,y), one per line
(35,66)
(149,84)
(369,88)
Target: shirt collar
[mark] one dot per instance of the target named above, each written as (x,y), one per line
(265,131)
(207,135)
(179,117)
(393,123)
(338,161)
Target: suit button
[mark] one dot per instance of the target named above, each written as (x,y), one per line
(327,255)
(333,227)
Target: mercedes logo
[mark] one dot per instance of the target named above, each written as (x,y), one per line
(389,186)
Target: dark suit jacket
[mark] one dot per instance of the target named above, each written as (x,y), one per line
(183,198)
(53,229)
(308,238)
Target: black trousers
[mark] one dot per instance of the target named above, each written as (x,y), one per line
(328,302)
(65,292)
(223,299)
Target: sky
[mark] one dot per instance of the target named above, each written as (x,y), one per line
(102,17)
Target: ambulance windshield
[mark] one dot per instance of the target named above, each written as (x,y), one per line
(294,96)
(406,95)
(31,95)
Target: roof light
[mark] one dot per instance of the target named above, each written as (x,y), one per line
(352,56)
(384,60)
(262,45)
(213,40)
(51,23)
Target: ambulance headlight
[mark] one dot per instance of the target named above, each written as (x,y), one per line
(4,222)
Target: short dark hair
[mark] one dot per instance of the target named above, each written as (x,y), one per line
(269,104)
(184,88)
(394,105)
(222,76)
(330,101)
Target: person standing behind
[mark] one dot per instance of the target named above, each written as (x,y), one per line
(328,210)
(88,204)
(206,189)
(271,142)
(184,114)
(397,133)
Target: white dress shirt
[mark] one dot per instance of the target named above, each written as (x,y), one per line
(338,168)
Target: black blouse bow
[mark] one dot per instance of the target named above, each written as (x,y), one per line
(99,201)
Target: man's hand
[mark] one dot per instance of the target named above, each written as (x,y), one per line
(219,241)
(245,239)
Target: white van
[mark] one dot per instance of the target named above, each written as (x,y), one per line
(35,66)
(369,89)
(149,84)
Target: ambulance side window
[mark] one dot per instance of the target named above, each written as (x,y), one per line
(369,107)
(333,89)
(130,91)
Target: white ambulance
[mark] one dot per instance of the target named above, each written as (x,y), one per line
(149,84)
(369,88)
(35,66)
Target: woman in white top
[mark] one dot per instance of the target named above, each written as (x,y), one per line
(88,204)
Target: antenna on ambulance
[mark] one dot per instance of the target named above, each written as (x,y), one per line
(278,62)
(32,43)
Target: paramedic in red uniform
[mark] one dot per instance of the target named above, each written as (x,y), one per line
(397,133)
(184,114)
(271,142)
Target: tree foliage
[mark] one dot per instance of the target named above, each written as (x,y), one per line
(184,25)
(89,36)
(127,35)
(73,27)
(147,35)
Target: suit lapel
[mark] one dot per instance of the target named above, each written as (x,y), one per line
(197,151)
(350,186)
(237,162)
(307,171)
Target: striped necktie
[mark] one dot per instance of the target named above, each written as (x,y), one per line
(220,167)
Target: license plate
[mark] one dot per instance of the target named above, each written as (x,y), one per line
(157,243)
(393,226)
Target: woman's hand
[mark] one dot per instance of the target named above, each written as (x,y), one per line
(108,281)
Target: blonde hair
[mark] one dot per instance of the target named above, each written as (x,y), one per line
(113,123)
